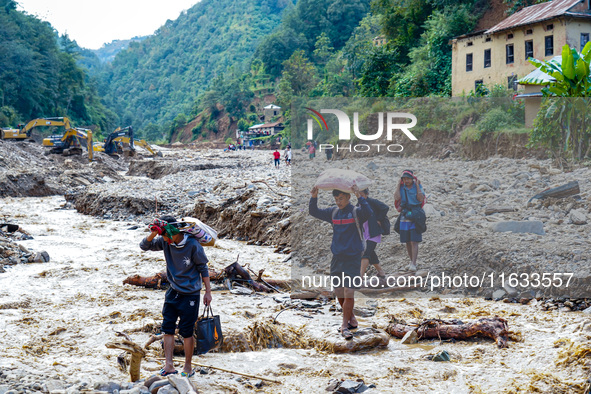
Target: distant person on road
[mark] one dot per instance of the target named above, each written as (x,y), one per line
(409,195)
(372,232)
(277,158)
(287,155)
(328,152)
(186,270)
(346,247)
(312,151)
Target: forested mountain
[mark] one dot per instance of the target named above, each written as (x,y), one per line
(39,75)
(108,51)
(155,80)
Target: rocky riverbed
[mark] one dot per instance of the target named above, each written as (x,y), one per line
(58,314)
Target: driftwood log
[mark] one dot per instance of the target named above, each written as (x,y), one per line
(236,272)
(495,328)
(233,272)
(492,210)
(570,189)
(156,281)
(137,353)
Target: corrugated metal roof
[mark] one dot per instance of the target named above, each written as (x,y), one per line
(540,77)
(535,13)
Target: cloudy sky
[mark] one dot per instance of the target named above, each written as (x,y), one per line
(95,22)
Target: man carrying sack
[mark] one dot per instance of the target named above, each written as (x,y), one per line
(347,247)
(186,269)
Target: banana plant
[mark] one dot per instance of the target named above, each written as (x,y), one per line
(568,116)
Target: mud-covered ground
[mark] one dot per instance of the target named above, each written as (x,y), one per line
(460,237)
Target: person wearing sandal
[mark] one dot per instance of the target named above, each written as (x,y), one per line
(186,271)
(372,232)
(346,247)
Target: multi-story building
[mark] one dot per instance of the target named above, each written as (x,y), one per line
(499,55)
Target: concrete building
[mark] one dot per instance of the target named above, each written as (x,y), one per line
(271,111)
(250,138)
(499,55)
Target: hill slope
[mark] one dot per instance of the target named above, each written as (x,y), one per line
(155,80)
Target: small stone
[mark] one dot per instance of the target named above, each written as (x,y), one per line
(498,294)
(470,212)
(53,384)
(410,338)
(349,386)
(578,217)
(372,166)
(157,385)
(441,356)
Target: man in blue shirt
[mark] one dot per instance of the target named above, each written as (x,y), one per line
(409,194)
(347,247)
(186,269)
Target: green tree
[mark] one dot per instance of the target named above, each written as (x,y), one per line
(299,74)
(323,49)
(565,118)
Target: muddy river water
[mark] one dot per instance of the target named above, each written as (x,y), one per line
(56,318)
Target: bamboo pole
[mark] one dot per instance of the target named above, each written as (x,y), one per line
(225,370)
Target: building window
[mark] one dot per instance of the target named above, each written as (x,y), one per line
(512,82)
(549,27)
(509,36)
(549,44)
(468,62)
(509,53)
(528,32)
(584,39)
(469,44)
(486,58)
(488,39)
(529,49)
(479,84)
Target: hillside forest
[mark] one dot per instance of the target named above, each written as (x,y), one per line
(213,69)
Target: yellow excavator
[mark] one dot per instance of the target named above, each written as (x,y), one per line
(7,134)
(114,142)
(69,143)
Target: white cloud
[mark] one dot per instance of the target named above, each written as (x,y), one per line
(92,23)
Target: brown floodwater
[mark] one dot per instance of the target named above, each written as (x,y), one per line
(56,318)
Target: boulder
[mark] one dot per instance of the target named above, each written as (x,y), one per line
(528,226)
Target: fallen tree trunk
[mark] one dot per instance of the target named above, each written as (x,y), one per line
(156,281)
(495,328)
(152,282)
(569,189)
(237,272)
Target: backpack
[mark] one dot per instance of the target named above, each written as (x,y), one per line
(385,222)
(361,237)
(201,231)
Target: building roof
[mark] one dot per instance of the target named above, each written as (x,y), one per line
(272,106)
(265,125)
(536,13)
(538,77)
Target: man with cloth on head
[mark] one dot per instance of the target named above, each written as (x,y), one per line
(186,269)
(347,247)
(409,194)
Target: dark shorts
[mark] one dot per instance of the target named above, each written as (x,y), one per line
(277,162)
(410,236)
(346,268)
(370,252)
(183,306)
